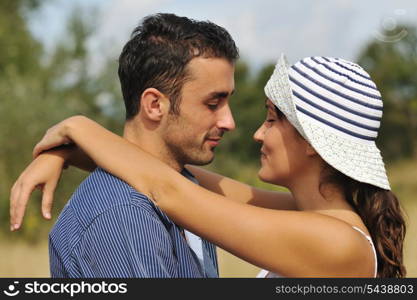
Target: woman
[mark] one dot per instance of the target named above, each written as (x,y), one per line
(318,140)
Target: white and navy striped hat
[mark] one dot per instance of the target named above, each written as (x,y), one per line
(337,108)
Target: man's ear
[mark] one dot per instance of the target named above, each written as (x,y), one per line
(154,104)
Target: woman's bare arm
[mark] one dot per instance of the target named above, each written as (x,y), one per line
(242,192)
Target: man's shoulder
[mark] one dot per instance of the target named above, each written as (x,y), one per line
(101,191)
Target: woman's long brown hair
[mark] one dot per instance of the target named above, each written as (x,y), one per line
(381,212)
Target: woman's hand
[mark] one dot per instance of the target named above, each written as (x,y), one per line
(44,173)
(56,136)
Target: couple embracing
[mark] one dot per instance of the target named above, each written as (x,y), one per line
(148,210)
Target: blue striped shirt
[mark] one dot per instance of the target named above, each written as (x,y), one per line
(108,229)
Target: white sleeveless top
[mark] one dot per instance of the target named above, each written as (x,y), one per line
(267,274)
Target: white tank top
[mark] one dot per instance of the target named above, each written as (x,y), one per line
(267,274)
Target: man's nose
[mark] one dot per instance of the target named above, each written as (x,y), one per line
(226,121)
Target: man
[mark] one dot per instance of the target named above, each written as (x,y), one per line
(176,76)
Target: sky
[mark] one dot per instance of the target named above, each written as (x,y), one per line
(262,29)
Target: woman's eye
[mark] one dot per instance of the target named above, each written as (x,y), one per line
(270,120)
(212,106)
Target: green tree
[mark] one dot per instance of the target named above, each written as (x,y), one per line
(392,63)
(38,89)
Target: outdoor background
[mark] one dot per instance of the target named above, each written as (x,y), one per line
(59,58)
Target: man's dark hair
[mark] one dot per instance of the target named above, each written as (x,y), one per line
(158,52)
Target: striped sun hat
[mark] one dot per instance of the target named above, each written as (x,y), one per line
(337,108)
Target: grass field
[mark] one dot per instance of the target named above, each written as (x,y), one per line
(22,259)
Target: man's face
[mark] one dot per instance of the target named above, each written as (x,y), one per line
(193,134)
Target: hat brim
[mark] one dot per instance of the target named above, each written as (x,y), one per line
(360,161)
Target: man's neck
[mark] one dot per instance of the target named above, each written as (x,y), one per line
(149,142)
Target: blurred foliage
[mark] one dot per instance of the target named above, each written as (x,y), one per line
(392,63)
(38,88)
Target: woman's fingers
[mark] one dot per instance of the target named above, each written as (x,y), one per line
(18,203)
(14,195)
(44,173)
(48,199)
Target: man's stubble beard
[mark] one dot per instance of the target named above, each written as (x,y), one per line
(185,150)
(190,154)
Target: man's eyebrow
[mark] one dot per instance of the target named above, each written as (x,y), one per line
(215,95)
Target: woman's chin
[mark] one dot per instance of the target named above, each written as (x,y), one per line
(265,177)
(270,178)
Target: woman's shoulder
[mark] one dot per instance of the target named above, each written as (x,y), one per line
(337,240)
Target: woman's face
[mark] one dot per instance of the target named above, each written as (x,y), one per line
(283,152)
